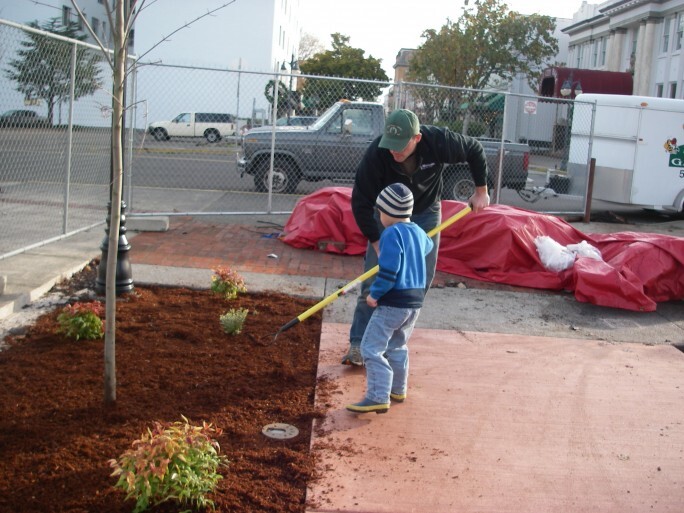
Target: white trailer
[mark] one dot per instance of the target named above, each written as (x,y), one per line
(638,144)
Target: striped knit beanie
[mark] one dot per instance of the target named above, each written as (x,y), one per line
(396,200)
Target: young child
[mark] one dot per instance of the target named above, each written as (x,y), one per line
(397,295)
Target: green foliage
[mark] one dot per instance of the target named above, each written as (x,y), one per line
(285,96)
(82,321)
(342,61)
(475,128)
(43,69)
(227,283)
(487,43)
(233,320)
(172,462)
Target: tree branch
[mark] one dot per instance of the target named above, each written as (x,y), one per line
(166,38)
(92,33)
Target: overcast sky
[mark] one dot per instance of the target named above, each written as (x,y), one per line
(383,27)
(380,27)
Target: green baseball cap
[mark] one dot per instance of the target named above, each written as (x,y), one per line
(400,126)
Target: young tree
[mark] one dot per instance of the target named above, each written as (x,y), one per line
(342,61)
(121,16)
(488,43)
(43,69)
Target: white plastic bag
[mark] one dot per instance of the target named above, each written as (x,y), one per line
(586,250)
(553,256)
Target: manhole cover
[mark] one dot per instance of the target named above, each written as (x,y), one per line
(280,431)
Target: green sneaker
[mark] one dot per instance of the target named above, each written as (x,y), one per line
(398,398)
(367,406)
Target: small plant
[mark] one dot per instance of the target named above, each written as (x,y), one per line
(233,319)
(227,282)
(82,320)
(171,462)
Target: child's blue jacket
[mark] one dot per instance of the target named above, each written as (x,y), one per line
(401,279)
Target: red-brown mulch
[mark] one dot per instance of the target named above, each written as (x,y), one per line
(172,359)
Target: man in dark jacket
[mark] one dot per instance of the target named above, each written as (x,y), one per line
(414,155)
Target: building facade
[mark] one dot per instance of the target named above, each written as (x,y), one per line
(643,37)
(26,11)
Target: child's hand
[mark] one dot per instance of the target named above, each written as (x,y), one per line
(371,302)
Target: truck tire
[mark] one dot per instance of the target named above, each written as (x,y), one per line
(161,135)
(212,135)
(458,184)
(286,177)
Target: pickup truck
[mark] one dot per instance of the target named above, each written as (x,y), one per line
(332,147)
(211,125)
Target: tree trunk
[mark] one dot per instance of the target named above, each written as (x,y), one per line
(115,203)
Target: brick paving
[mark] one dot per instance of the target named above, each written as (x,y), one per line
(205,243)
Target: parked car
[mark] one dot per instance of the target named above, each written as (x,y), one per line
(212,126)
(22,118)
(296,121)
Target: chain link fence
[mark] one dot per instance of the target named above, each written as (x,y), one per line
(55,137)
(208,141)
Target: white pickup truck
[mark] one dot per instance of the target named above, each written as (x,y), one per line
(210,125)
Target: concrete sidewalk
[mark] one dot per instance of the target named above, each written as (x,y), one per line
(519,400)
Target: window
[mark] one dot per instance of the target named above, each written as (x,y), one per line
(680,31)
(104,30)
(666,35)
(95,26)
(209,117)
(594,54)
(604,42)
(66,15)
(182,118)
(673,90)
(580,52)
(659,90)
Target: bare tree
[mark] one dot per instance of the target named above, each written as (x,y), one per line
(309,45)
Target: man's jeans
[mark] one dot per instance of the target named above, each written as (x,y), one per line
(427,221)
(385,353)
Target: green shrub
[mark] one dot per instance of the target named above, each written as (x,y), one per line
(233,319)
(172,462)
(82,320)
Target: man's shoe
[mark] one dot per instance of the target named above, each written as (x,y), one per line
(367,406)
(398,398)
(353,357)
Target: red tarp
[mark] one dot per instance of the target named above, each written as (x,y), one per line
(497,245)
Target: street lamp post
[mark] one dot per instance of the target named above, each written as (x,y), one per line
(569,90)
(294,69)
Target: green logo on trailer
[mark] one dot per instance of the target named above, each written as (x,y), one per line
(676,152)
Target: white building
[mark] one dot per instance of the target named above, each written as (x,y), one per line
(232,39)
(26,11)
(644,37)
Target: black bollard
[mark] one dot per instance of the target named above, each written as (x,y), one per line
(124,275)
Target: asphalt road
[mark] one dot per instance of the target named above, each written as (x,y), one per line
(180,175)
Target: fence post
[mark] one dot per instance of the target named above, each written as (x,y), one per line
(590,191)
(70,137)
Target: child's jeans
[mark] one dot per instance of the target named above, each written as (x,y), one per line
(385,353)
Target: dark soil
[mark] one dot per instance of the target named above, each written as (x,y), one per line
(172,359)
